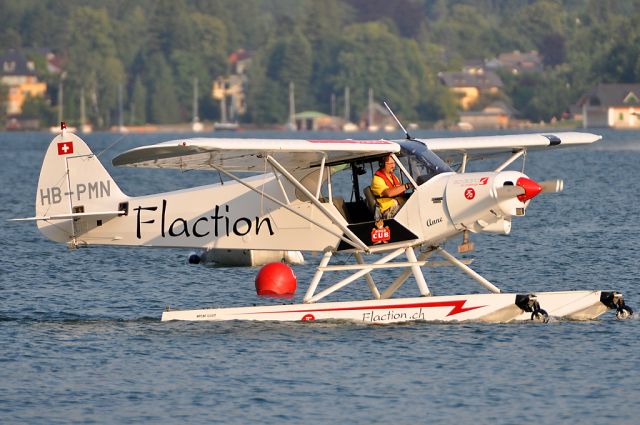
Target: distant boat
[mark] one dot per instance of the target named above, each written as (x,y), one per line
(349,127)
(225,126)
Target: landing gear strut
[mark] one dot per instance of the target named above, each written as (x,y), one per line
(615,300)
(530,304)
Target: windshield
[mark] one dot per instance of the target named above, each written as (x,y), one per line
(421,162)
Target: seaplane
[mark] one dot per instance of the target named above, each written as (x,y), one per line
(313,196)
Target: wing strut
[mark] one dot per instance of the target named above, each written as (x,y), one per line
(288,208)
(354,240)
(512,158)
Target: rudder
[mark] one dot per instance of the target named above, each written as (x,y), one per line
(72,181)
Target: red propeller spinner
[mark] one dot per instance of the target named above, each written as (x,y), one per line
(531,188)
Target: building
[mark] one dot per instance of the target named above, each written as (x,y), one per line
(239,61)
(517,62)
(470,83)
(611,105)
(497,115)
(231,90)
(19,76)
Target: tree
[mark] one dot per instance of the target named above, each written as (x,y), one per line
(163,101)
(539,97)
(130,34)
(37,107)
(4,91)
(170,27)
(466,33)
(406,15)
(138,102)
(371,56)
(619,61)
(286,59)
(93,63)
(537,25)
(322,28)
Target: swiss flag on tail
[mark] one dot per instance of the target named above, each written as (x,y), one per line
(65,148)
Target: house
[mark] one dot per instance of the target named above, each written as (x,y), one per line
(240,61)
(517,62)
(376,117)
(230,90)
(497,115)
(611,105)
(470,83)
(19,75)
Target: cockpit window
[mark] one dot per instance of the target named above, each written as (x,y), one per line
(421,162)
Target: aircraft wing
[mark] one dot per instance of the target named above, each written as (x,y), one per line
(248,155)
(451,149)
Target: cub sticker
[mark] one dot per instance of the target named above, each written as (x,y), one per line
(380,233)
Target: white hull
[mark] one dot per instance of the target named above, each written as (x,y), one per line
(495,308)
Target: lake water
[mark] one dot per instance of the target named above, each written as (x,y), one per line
(81,340)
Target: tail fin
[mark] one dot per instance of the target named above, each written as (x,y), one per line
(73,183)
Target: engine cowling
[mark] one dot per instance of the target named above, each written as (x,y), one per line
(485,202)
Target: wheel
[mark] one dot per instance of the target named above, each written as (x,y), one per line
(540,315)
(624,312)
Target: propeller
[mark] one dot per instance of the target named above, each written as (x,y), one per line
(525,188)
(552,186)
(510,191)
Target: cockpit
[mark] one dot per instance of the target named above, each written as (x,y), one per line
(421,163)
(346,186)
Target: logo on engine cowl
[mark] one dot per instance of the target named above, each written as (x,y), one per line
(473,181)
(469,193)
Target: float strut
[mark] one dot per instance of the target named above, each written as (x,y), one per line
(317,276)
(468,270)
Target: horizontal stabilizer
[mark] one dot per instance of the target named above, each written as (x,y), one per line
(70,216)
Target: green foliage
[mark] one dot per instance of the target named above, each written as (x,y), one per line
(138,104)
(162,100)
(38,107)
(155,48)
(93,63)
(390,68)
(287,58)
(539,97)
(3,103)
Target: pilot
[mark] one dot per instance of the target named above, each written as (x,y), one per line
(387,189)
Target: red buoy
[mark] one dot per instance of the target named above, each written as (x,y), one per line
(276,280)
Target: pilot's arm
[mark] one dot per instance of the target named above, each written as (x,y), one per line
(392,192)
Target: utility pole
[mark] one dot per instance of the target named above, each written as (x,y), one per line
(292,106)
(347,105)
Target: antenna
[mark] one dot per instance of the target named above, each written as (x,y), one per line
(398,121)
